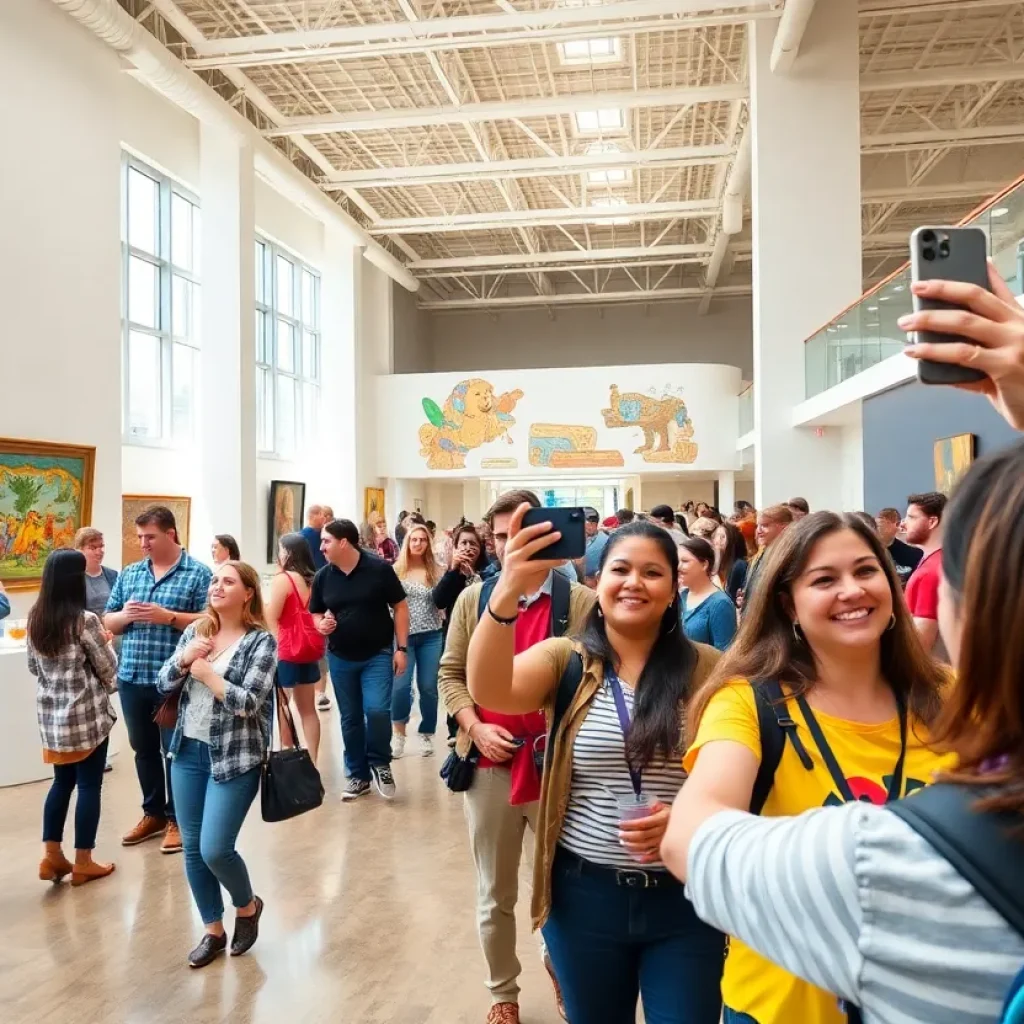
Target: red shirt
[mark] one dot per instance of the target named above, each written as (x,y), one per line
(923,587)
(532,626)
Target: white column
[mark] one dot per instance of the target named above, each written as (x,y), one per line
(806,237)
(339,422)
(227,452)
(726,491)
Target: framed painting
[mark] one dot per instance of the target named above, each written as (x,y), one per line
(373,504)
(953,457)
(284,512)
(133,505)
(45,496)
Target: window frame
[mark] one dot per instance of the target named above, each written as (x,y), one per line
(267,349)
(165,330)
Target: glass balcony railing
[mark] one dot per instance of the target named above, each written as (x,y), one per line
(746,410)
(867,332)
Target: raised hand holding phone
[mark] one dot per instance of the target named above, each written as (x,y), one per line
(524,567)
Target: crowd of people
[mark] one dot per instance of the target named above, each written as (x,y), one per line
(708,726)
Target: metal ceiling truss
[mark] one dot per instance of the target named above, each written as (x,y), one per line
(453,132)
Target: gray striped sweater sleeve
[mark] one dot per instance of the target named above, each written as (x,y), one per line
(854,901)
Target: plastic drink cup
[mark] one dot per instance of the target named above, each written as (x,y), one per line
(633,806)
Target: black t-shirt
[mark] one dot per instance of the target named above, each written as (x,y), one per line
(905,557)
(361,601)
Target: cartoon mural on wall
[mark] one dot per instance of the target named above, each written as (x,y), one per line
(472,416)
(664,420)
(560,446)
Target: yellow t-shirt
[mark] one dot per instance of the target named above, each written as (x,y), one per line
(867,754)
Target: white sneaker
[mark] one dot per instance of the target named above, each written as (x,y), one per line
(323,702)
(383,781)
(397,746)
(427,747)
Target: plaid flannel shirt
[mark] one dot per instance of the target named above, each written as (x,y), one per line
(146,646)
(72,695)
(240,727)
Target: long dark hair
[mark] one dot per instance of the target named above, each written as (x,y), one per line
(735,550)
(983,718)
(55,620)
(766,646)
(226,541)
(298,558)
(664,684)
(482,561)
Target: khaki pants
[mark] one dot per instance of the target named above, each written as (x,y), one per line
(496,831)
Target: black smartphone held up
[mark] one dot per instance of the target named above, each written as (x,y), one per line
(570,523)
(947,254)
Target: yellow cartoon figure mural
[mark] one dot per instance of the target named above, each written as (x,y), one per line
(472,416)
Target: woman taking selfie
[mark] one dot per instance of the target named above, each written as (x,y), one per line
(616,924)
(287,606)
(70,655)
(730,559)
(708,614)
(828,627)
(223,669)
(418,573)
(467,560)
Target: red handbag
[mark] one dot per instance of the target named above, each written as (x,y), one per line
(297,639)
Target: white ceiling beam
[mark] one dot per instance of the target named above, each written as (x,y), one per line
(566,256)
(540,106)
(554,268)
(887,10)
(429,28)
(926,192)
(531,167)
(473,41)
(599,215)
(573,298)
(896,142)
(790,34)
(942,78)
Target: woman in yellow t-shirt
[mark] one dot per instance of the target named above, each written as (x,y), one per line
(828,622)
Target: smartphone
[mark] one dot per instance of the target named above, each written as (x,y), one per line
(947,254)
(570,523)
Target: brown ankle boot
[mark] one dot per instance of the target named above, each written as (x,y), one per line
(89,871)
(53,868)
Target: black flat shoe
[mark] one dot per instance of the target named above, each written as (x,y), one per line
(247,930)
(209,948)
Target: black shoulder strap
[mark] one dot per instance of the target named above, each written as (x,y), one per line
(980,846)
(485,594)
(560,589)
(567,687)
(774,724)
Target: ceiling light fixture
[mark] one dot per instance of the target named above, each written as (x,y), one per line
(596,122)
(1000,211)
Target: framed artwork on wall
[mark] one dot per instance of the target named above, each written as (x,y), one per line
(953,457)
(373,504)
(45,496)
(284,512)
(133,505)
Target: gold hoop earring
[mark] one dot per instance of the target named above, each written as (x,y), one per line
(798,634)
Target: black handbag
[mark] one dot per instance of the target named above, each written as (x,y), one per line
(290,784)
(457,772)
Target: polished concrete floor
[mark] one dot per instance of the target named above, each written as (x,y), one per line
(369,917)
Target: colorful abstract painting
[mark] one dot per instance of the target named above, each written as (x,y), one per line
(45,496)
(472,416)
(953,457)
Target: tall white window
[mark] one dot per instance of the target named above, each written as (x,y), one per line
(287,351)
(160,306)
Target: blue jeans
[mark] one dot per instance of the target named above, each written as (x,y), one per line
(425,656)
(210,815)
(611,943)
(139,702)
(363,692)
(87,776)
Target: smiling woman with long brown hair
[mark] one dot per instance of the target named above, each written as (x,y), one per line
(829,642)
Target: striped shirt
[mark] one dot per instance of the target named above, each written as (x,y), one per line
(600,778)
(854,901)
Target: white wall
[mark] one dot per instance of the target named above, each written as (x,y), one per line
(662,332)
(60,264)
(528,397)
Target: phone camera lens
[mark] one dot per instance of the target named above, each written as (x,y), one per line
(928,252)
(943,249)
(928,237)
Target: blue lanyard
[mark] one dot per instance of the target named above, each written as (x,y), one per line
(635,775)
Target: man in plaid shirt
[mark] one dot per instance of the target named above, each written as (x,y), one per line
(150,605)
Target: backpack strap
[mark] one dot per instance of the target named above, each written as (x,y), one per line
(560,590)
(568,685)
(774,725)
(485,595)
(980,846)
